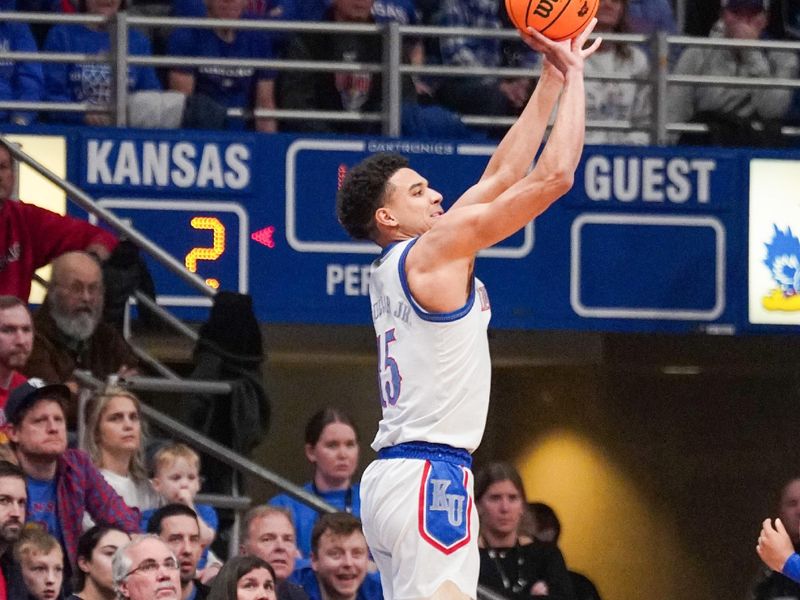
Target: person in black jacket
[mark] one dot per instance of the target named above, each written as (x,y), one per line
(513,564)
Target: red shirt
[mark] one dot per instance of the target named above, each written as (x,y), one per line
(31,237)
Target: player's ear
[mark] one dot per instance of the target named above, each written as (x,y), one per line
(384,217)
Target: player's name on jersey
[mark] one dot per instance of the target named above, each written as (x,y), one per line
(383,306)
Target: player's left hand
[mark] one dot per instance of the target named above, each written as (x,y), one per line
(774,546)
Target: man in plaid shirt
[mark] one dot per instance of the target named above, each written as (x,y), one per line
(62,484)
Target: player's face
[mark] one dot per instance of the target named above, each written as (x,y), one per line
(6,174)
(43,573)
(334,456)
(790,510)
(341,563)
(16,337)
(13,498)
(412,204)
(119,428)
(256,585)
(272,539)
(501,508)
(98,567)
(42,431)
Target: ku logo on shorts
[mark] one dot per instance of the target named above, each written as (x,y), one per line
(445,506)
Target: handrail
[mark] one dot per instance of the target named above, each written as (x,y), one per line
(88,203)
(391,66)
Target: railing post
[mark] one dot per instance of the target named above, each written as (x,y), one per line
(391,88)
(119,68)
(658,135)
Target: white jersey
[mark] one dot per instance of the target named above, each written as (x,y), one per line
(434,369)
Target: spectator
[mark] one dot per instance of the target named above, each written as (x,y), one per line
(772,585)
(145,569)
(651,16)
(176,478)
(244,578)
(62,484)
(96,548)
(332,448)
(13,499)
(19,80)
(69,332)
(114,442)
(30,237)
(348,91)
(512,564)
(179,528)
(91,83)
(230,86)
(736,116)
(616,100)
(42,561)
(268,533)
(548,529)
(477,95)
(339,558)
(16,343)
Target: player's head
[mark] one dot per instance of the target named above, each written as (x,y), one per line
(364,190)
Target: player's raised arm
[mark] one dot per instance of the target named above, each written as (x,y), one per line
(461,233)
(512,158)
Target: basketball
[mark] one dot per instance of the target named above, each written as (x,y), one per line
(556,19)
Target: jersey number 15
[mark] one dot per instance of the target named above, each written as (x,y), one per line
(389,378)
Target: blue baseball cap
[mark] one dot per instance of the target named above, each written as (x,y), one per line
(22,397)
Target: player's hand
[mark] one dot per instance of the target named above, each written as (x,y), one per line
(774,546)
(566,55)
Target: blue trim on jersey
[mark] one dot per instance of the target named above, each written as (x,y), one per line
(428,451)
(442,317)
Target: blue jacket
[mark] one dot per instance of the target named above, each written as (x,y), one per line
(19,80)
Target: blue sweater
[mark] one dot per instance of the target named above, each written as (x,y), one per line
(19,80)
(90,82)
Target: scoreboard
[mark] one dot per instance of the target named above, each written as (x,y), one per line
(648,239)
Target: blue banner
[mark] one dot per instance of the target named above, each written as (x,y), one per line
(648,239)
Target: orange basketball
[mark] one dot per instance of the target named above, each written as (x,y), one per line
(557,19)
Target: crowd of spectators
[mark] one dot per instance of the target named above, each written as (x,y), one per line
(430,106)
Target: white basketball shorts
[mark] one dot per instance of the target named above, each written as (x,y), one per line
(421,526)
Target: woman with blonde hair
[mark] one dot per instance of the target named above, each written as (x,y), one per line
(114,438)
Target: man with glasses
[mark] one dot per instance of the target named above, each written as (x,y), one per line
(146,569)
(70,333)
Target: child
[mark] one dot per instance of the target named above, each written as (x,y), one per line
(176,478)
(42,563)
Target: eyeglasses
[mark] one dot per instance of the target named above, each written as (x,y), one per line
(150,566)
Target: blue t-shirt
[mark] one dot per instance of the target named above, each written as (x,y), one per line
(42,507)
(395,11)
(204,511)
(233,87)
(304,516)
(76,82)
(370,588)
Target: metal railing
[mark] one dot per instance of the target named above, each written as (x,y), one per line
(392,68)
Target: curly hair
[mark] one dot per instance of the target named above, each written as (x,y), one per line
(363,192)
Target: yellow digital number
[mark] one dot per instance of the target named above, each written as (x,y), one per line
(212,253)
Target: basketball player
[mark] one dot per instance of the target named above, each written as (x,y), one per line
(431,315)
